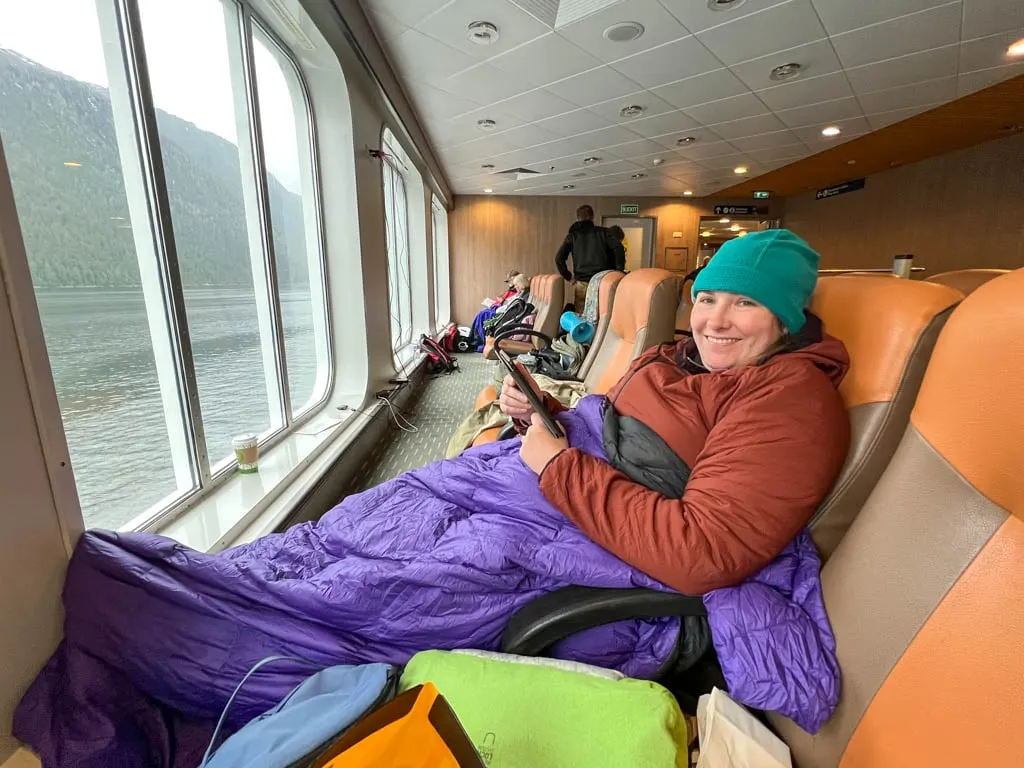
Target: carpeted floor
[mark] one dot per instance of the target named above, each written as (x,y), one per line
(444,402)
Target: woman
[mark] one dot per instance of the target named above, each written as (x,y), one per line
(695,473)
(750,407)
(516,284)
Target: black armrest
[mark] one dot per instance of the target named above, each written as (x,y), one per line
(537,626)
(507,432)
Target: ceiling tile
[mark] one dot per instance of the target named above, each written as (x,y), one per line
(729,162)
(772,140)
(633,149)
(535,105)
(915,68)
(652,106)
(920,31)
(696,16)
(573,123)
(528,136)
(988,52)
(705,149)
(671,122)
(701,89)
(668,63)
(604,137)
(408,14)
(748,126)
(882,119)
(815,59)
(988,17)
(483,82)
(699,133)
(840,16)
(386,27)
(826,113)
(451,133)
(450,25)
(544,60)
(810,91)
(735,108)
(775,154)
(779,27)
(918,94)
(481,149)
(593,87)
(811,135)
(659,27)
(424,59)
(975,81)
(440,105)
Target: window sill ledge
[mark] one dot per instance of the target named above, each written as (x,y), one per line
(247,506)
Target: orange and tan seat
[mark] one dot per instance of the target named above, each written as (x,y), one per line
(889,328)
(926,591)
(642,315)
(606,291)
(547,292)
(967,281)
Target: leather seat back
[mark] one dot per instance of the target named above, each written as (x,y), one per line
(606,291)
(643,315)
(966,280)
(546,295)
(925,593)
(889,328)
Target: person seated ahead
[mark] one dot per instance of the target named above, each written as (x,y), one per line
(749,404)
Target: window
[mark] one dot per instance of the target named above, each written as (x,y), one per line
(396,218)
(442,278)
(181,291)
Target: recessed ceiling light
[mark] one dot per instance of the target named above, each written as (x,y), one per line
(568,186)
(624,32)
(638,175)
(487,166)
(631,111)
(591,160)
(706,233)
(830,131)
(486,124)
(1017,49)
(723,221)
(72,164)
(482,33)
(785,72)
(741,233)
(688,193)
(488,190)
(657,161)
(579,175)
(685,141)
(734,228)
(851,162)
(725,5)
(740,169)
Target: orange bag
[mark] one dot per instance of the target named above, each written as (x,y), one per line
(415,730)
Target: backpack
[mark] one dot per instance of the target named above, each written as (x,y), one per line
(439,360)
(515,313)
(448,340)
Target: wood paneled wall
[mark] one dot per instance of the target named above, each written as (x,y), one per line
(964,209)
(490,235)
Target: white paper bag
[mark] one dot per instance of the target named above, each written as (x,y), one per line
(731,737)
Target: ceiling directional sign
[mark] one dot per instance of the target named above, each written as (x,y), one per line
(839,189)
(629,209)
(739,210)
(762,194)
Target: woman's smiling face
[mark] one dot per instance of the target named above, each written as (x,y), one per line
(731,330)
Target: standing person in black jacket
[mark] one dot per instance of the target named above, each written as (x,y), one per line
(593,250)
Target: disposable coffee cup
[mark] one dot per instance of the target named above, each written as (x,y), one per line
(247,453)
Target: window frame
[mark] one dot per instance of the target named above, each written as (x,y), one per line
(437,211)
(393,169)
(137,136)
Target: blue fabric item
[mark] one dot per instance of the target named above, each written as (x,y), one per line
(775,268)
(434,559)
(318,710)
(478,325)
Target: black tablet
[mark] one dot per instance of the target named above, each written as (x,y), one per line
(523,381)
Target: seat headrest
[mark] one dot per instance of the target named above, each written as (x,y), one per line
(966,280)
(639,293)
(970,408)
(880,322)
(606,292)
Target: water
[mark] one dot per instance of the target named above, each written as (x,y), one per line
(101,355)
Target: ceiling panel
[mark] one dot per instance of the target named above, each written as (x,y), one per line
(777,28)
(659,27)
(920,31)
(668,63)
(555,85)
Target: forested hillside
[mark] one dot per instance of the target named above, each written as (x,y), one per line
(75,219)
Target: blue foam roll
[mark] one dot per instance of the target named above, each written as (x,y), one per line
(582,331)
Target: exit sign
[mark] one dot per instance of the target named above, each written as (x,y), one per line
(762,194)
(631,209)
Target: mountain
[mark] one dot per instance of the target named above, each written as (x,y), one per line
(75,220)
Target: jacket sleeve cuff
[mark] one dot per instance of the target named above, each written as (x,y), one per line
(554,478)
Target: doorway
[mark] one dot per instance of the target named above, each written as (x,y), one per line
(717,230)
(640,231)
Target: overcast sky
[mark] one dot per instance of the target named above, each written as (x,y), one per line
(187,54)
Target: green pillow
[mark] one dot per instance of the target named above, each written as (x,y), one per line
(531,713)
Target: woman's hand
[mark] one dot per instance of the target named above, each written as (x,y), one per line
(513,402)
(540,446)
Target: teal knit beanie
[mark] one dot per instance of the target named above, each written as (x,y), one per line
(774,268)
